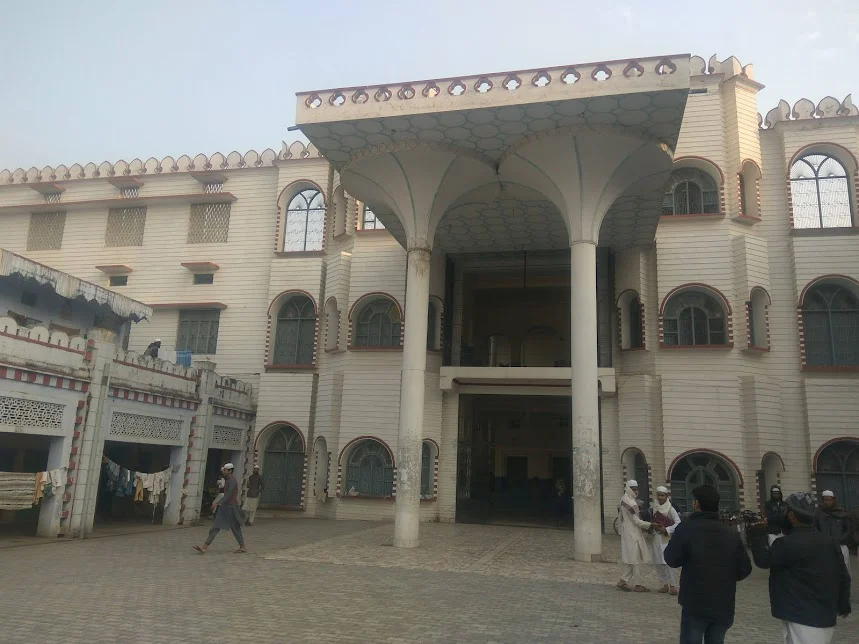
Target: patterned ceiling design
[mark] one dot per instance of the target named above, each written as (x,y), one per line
(489,132)
(506,223)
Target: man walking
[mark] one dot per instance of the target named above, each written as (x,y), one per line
(228,513)
(633,547)
(713,560)
(833,521)
(255,486)
(809,584)
(664,519)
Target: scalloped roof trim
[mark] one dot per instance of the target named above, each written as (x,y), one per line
(168,165)
(804,109)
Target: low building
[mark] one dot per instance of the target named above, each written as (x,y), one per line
(472,299)
(79,415)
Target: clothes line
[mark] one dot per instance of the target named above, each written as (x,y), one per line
(123,482)
(23,490)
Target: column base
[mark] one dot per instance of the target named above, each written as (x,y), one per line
(587,557)
(407,543)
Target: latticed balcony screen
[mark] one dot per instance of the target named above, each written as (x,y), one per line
(125,227)
(46,230)
(210,223)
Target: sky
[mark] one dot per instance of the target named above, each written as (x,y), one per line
(103,80)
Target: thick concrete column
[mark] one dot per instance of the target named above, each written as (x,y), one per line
(406,522)
(586,454)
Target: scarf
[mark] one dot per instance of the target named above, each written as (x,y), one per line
(628,499)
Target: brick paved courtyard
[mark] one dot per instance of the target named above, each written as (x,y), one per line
(308,580)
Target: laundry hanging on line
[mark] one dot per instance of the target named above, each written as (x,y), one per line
(123,482)
(23,490)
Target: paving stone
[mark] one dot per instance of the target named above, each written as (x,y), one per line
(308,580)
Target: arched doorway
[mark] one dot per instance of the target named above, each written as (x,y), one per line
(636,469)
(838,470)
(283,467)
(702,468)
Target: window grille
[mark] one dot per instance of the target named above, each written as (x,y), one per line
(46,230)
(53,197)
(692,192)
(296,331)
(30,413)
(125,227)
(378,325)
(198,331)
(820,193)
(209,224)
(830,317)
(225,436)
(305,222)
(145,427)
(693,319)
(129,193)
(703,469)
(369,470)
(370,221)
(213,188)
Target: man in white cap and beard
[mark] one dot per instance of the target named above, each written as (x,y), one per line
(633,546)
(255,486)
(833,521)
(228,513)
(665,520)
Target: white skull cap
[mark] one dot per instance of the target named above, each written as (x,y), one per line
(828,493)
(229,466)
(632,483)
(662,489)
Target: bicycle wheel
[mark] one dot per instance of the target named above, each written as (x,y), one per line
(616,526)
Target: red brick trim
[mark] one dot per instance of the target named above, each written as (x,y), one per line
(713,452)
(780,459)
(278,423)
(46,379)
(823,278)
(354,441)
(620,321)
(439,304)
(123,393)
(831,441)
(293,291)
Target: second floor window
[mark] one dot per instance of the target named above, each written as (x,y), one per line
(820,193)
(295,333)
(830,316)
(694,319)
(378,325)
(198,331)
(370,221)
(691,192)
(305,222)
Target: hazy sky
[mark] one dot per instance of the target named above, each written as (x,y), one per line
(97,80)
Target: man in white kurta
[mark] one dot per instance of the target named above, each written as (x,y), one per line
(662,513)
(634,550)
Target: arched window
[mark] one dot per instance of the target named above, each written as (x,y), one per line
(757,308)
(369,220)
(692,192)
(427,471)
(635,339)
(748,178)
(431,344)
(693,318)
(820,193)
(378,324)
(295,332)
(305,222)
(369,470)
(838,470)
(698,469)
(830,317)
(283,467)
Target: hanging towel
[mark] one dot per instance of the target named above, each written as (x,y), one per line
(138,486)
(17,490)
(40,487)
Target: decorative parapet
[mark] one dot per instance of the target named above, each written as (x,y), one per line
(233,394)
(167,165)
(491,90)
(151,375)
(804,109)
(729,67)
(40,348)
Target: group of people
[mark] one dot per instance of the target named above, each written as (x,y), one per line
(228,514)
(804,548)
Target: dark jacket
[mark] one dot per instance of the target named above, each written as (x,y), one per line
(713,560)
(809,583)
(775,513)
(834,523)
(255,485)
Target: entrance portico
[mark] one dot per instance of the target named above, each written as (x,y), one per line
(498,162)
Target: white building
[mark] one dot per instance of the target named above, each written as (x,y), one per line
(421,292)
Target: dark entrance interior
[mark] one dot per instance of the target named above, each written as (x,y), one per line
(514,460)
(115,505)
(22,453)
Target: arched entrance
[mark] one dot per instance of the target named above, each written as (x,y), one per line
(283,467)
(838,470)
(636,469)
(702,468)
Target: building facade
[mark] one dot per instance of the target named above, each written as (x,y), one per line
(495,298)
